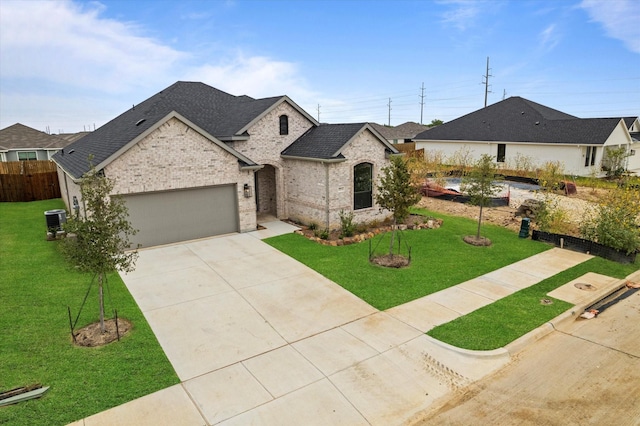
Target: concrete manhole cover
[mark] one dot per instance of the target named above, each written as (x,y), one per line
(585,286)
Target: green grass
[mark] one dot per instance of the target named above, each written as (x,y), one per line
(36,286)
(505,320)
(440,259)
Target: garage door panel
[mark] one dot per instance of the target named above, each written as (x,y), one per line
(172,216)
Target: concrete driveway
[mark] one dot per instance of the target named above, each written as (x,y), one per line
(258,338)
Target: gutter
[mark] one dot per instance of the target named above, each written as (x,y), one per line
(319,160)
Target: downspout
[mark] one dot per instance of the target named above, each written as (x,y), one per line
(326,195)
(66,190)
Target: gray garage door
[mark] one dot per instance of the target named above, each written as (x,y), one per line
(172,216)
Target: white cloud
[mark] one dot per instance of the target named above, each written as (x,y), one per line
(463,14)
(65,65)
(63,43)
(620,19)
(549,38)
(255,76)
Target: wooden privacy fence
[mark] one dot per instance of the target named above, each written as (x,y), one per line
(28,181)
(409,149)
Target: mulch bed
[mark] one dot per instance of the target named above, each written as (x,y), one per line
(334,237)
(391,261)
(474,241)
(91,335)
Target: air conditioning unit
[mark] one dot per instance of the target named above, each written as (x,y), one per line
(55,219)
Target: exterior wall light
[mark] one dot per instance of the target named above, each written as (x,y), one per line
(247,191)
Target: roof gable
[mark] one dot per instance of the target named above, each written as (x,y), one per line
(244,160)
(281,99)
(327,141)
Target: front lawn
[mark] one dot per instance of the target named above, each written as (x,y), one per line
(36,286)
(440,259)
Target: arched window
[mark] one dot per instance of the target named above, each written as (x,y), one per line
(362,186)
(284,125)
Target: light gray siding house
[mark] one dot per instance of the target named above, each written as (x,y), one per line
(22,143)
(193,161)
(519,127)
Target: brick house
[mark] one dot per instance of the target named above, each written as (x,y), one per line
(193,161)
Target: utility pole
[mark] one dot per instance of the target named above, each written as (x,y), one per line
(486,83)
(389,105)
(318,113)
(504,94)
(421,102)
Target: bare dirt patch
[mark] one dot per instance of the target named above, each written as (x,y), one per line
(477,241)
(92,336)
(576,206)
(391,261)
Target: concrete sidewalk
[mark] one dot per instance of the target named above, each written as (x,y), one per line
(258,338)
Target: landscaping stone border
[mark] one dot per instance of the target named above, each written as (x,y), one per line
(430,223)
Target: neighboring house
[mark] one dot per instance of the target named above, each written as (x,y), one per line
(400,134)
(20,143)
(193,161)
(516,127)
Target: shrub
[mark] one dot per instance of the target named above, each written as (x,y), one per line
(550,217)
(522,165)
(462,159)
(347,227)
(614,222)
(550,175)
(322,234)
(313,226)
(361,228)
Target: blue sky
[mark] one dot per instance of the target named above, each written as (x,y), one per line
(72,65)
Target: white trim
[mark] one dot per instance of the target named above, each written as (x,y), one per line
(21,151)
(375,133)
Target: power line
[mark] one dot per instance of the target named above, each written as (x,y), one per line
(486,83)
(421,101)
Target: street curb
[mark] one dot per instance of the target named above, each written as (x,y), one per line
(566,317)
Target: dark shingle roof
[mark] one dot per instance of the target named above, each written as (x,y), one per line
(324,141)
(218,113)
(628,121)
(404,131)
(19,136)
(520,120)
